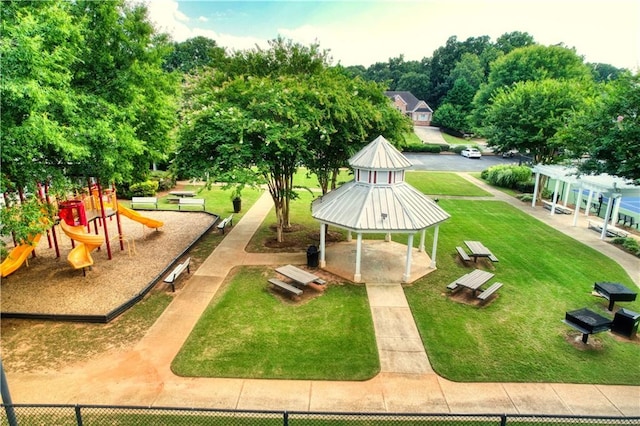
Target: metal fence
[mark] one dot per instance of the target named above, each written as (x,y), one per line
(90,415)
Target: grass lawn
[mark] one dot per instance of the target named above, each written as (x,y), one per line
(517,337)
(250,332)
(443,183)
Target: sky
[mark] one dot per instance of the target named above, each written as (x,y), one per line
(364,32)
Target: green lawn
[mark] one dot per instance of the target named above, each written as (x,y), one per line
(250,332)
(517,337)
(443,183)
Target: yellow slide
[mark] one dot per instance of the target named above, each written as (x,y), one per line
(80,256)
(17,256)
(134,215)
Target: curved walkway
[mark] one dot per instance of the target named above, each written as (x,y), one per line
(142,375)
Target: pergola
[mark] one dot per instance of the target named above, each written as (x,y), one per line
(378,200)
(613,187)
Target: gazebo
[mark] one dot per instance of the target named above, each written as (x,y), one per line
(612,187)
(378,200)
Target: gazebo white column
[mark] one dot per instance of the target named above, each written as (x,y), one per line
(422,236)
(435,245)
(407,267)
(323,229)
(535,189)
(357,276)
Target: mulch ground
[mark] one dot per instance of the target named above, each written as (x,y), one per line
(49,285)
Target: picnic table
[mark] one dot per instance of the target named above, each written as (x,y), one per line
(473,280)
(296,274)
(183,193)
(479,250)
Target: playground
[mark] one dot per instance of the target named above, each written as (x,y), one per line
(108,283)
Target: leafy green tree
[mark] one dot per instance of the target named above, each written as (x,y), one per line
(194,53)
(513,40)
(528,116)
(531,63)
(605,72)
(37,103)
(608,130)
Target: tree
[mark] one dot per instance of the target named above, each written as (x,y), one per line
(194,53)
(38,49)
(608,130)
(531,63)
(528,116)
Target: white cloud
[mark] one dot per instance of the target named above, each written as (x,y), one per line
(203,19)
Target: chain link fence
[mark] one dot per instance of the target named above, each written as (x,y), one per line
(93,415)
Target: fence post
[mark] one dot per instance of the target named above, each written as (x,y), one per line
(285,418)
(503,420)
(6,397)
(78,415)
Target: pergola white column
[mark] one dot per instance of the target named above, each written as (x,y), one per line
(323,229)
(616,209)
(422,236)
(555,197)
(435,245)
(357,277)
(605,223)
(589,201)
(535,189)
(407,265)
(565,196)
(578,204)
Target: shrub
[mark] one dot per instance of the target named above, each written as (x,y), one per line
(507,176)
(144,189)
(632,246)
(525,197)
(166,180)
(423,148)
(459,148)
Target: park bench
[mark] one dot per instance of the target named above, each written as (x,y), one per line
(489,291)
(190,202)
(228,221)
(463,254)
(493,258)
(559,208)
(286,287)
(612,231)
(144,200)
(175,274)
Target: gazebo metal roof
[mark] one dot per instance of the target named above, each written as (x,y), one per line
(378,208)
(379,154)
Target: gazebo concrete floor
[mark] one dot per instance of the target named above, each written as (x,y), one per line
(381,261)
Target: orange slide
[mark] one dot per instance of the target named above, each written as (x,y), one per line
(134,215)
(18,255)
(80,256)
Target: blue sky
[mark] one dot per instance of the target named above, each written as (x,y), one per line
(363,32)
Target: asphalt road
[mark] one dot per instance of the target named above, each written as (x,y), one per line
(455,163)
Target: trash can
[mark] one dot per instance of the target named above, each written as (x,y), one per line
(625,322)
(312,257)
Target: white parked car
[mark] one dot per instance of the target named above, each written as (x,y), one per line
(471,153)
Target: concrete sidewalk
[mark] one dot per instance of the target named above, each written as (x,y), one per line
(142,376)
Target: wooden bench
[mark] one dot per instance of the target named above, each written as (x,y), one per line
(144,200)
(224,222)
(489,291)
(284,286)
(493,258)
(190,202)
(453,285)
(612,231)
(175,274)
(463,254)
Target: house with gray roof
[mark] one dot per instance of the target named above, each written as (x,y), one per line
(419,112)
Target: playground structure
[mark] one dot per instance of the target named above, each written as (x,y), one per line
(75,215)
(18,256)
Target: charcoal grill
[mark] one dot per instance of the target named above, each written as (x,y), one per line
(614,292)
(587,322)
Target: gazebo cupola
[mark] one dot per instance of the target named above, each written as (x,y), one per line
(379,200)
